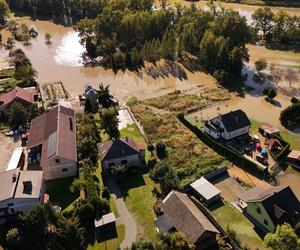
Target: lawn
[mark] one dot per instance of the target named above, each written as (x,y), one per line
(60,193)
(109,240)
(137,192)
(229,216)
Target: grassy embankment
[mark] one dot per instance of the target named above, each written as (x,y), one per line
(186,153)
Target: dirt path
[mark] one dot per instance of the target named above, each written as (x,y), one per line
(125,218)
(247,178)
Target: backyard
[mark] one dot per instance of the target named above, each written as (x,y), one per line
(229,217)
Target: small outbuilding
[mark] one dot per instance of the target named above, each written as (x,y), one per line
(268,130)
(107,221)
(206,191)
(294,158)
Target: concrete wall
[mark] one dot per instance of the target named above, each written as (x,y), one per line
(62,169)
(260,217)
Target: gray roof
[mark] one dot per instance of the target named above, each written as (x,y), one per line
(105,219)
(235,120)
(186,217)
(12,184)
(257,193)
(205,188)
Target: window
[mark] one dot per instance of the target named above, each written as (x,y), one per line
(265,222)
(64,169)
(71,124)
(124,162)
(57,161)
(10,204)
(258,210)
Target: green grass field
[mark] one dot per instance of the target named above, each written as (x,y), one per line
(109,240)
(229,216)
(60,193)
(137,191)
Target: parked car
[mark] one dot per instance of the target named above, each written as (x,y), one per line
(262,160)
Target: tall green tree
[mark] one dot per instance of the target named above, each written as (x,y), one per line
(284,238)
(17,115)
(109,121)
(105,99)
(263,20)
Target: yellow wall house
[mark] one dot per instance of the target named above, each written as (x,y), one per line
(269,207)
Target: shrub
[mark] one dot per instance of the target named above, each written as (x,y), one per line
(270,92)
(161,150)
(290,116)
(106,193)
(294,100)
(85,212)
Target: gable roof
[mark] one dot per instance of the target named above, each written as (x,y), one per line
(205,188)
(56,132)
(280,203)
(12,184)
(235,120)
(186,217)
(294,154)
(16,94)
(119,148)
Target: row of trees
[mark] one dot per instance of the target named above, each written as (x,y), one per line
(277,28)
(124,37)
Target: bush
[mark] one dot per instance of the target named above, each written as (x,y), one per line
(106,193)
(290,116)
(161,150)
(270,92)
(295,100)
(85,212)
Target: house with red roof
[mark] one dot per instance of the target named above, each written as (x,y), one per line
(52,143)
(16,95)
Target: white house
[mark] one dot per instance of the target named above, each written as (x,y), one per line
(52,143)
(20,191)
(228,126)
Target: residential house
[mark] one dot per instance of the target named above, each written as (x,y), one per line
(52,143)
(228,126)
(207,192)
(270,207)
(124,152)
(92,95)
(181,214)
(294,158)
(20,191)
(16,95)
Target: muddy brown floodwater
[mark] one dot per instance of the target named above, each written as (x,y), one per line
(62,61)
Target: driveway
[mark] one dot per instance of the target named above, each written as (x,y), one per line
(125,218)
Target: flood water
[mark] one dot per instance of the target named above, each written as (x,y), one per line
(61,61)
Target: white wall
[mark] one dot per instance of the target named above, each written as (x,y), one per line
(54,170)
(229,135)
(132,160)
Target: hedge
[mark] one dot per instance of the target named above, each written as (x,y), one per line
(230,154)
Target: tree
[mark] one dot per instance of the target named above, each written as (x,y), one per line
(276,74)
(106,100)
(70,234)
(270,92)
(175,241)
(261,64)
(4,11)
(284,238)
(48,38)
(17,115)
(13,239)
(161,150)
(290,116)
(291,76)
(263,20)
(142,244)
(109,121)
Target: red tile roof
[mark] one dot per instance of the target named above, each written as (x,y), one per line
(56,131)
(17,94)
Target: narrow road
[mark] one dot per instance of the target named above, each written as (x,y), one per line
(125,218)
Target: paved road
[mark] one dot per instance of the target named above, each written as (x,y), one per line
(125,218)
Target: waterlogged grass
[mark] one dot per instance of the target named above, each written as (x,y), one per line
(229,216)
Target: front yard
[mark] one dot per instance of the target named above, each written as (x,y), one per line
(229,217)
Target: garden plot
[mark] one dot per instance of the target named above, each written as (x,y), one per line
(53,92)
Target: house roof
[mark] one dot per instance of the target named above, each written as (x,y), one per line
(235,120)
(105,219)
(269,129)
(294,154)
(119,148)
(205,188)
(186,217)
(16,94)
(12,184)
(56,132)
(280,203)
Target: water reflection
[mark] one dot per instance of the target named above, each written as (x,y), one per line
(69,50)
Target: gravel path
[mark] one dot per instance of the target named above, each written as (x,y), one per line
(125,218)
